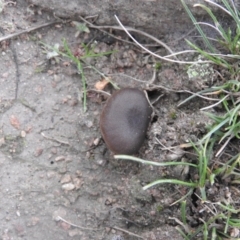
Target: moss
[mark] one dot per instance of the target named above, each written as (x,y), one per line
(173,114)
(202,71)
(160,208)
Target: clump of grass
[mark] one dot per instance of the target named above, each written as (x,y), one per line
(230,40)
(78,60)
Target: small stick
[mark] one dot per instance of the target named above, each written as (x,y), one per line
(125,231)
(53,139)
(215,104)
(152,53)
(74,225)
(128,29)
(27,31)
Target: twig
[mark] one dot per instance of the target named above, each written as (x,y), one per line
(100,28)
(194,95)
(182,37)
(152,53)
(99,91)
(186,228)
(27,31)
(125,231)
(53,139)
(77,226)
(215,104)
(224,145)
(131,30)
(165,148)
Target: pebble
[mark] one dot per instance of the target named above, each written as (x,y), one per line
(96,141)
(68,186)
(77,183)
(50,174)
(66,179)
(23,134)
(59,158)
(38,152)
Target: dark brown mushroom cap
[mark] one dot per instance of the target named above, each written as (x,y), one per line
(124,121)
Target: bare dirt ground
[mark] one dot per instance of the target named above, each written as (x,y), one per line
(58,180)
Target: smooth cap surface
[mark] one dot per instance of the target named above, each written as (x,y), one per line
(124,121)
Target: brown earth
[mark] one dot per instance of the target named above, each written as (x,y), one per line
(58,180)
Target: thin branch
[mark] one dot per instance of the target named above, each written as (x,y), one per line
(125,231)
(27,30)
(129,29)
(224,145)
(215,104)
(77,226)
(152,53)
(210,25)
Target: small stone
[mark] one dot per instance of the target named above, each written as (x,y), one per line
(59,158)
(89,124)
(234,232)
(96,141)
(68,186)
(77,183)
(101,162)
(38,152)
(50,174)
(23,134)
(66,179)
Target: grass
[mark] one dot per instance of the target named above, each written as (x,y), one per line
(220,220)
(79,60)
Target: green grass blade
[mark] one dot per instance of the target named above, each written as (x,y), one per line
(235,15)
(216,60)
(203,35)
(183,212)
(214,129)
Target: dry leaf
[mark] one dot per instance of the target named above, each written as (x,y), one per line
(100,85)
(15,122)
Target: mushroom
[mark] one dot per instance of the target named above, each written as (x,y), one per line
(124,121)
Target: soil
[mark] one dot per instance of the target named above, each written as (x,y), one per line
(58,180)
